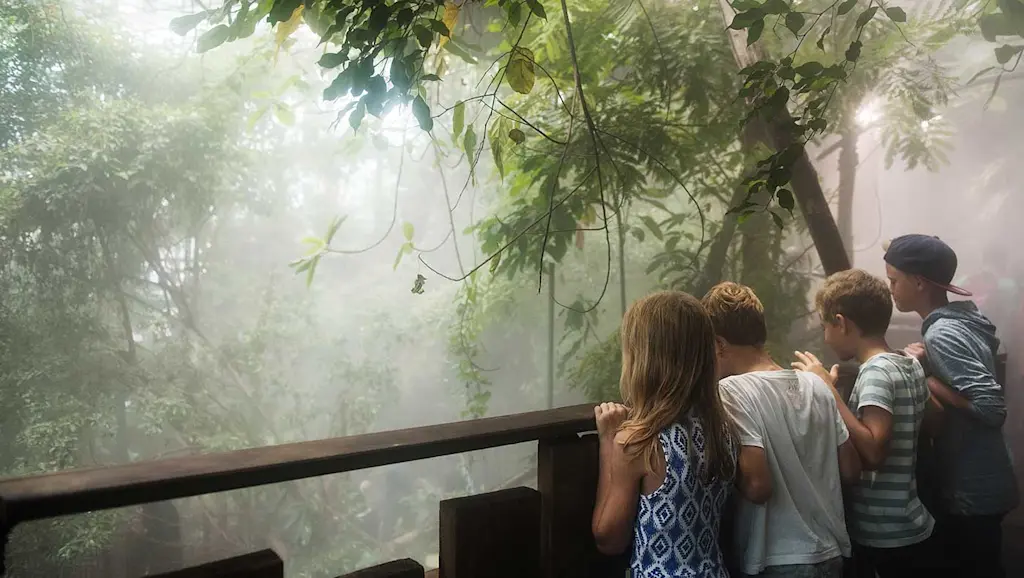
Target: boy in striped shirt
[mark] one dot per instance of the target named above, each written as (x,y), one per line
(888,524)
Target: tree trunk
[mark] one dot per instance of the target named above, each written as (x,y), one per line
(806,187)
(714,266)
(161,522)
(755,252)
(848,160)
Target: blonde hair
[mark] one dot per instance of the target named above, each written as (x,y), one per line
(668,370)
(737,314)
(860,297)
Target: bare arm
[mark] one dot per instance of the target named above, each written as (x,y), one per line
(755,478)
(869,435)
(618,493)
(934,415)
(849,462)
(947,395)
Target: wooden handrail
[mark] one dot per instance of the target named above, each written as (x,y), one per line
(85,490)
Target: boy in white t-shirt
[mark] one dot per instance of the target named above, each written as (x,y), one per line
(795,449)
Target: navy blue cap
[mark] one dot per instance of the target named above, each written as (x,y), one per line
(927,257)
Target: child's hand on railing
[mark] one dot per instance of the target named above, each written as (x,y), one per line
(609,417)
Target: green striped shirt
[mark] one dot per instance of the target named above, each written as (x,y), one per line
(885,511)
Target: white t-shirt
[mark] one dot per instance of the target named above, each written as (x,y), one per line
(794,417)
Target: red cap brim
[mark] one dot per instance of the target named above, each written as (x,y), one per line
(952,289)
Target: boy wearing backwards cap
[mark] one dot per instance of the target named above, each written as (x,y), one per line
(977,485)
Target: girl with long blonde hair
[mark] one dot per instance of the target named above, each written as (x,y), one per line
(668,456)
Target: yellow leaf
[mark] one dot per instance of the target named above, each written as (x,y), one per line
(451,16)
(589,216)
(285,29)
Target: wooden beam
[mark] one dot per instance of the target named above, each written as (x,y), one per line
(405,568)
(492,535)
(262,564)
(567,480)
(78,491)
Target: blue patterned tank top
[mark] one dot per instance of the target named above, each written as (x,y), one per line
(677,526)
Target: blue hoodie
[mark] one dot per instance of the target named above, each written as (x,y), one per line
(976,471)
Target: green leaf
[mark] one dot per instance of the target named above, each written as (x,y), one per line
(795,22)
(405,248)
(754,32)
(458,119)
(778,220)
(786,201)
(537,9)
(515,14)
(282,10)
(747,19)
(896,14)
(439,27)
(517,136)
(332,59)
(408,230)
(400,77)
(378,20)
(866,16)
(422,113)
(520,72)
(430,78)
(1005,52)
(182,25)
(638,233)
(213,38)
(423,36)
(775,7)
(853,52)
(332,229)
(356,118)
(993,25)
(255,117)
(312,270)
(821,39)
(496,153)
(846,6)
(404,17)
(456,48)
(744,5)
(811,68)
(284,115)
(653,226)
(469,144)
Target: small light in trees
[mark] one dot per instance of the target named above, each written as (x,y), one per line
(869,112)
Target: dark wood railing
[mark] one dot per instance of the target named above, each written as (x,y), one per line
(515,532)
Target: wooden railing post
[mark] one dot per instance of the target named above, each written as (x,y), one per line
(567,480)
(262,564)
(493,535)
